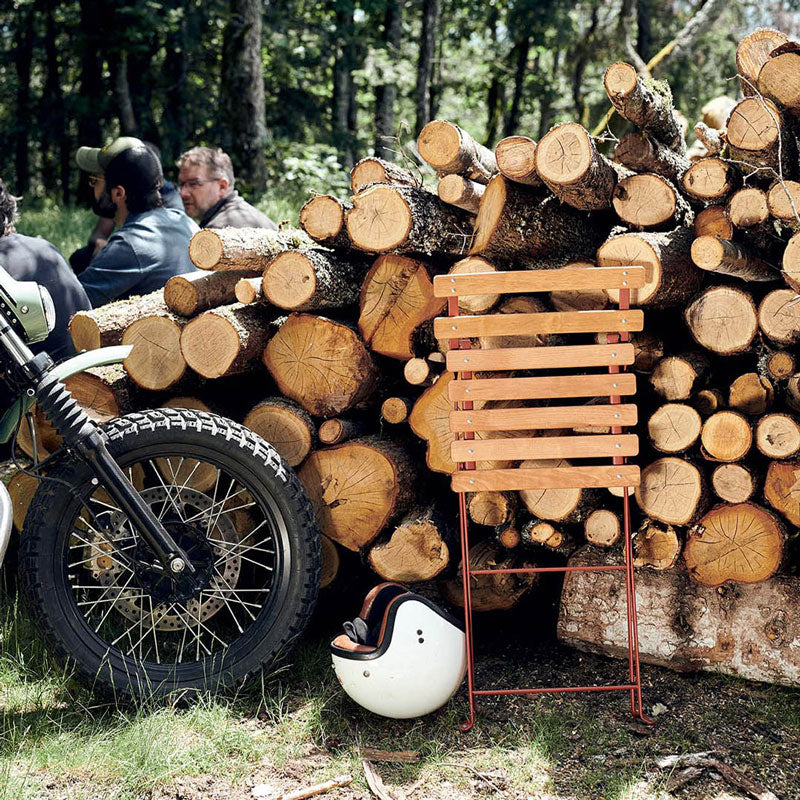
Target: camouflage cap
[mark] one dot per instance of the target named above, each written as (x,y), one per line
(96,159)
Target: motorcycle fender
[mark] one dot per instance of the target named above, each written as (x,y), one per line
(6,518)
(72,366)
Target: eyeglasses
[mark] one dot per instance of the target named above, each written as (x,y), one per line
(96,180)
(195,182)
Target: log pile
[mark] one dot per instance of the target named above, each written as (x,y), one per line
(329,329)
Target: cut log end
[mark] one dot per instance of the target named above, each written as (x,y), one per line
(289,280)
(322,217)
(516,159)
(733,483)
(380,219)
(205,249)
(564,154)
(620,79)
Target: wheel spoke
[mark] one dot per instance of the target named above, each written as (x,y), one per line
(111,607)
(167,491)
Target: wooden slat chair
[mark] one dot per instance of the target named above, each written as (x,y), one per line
(465,421)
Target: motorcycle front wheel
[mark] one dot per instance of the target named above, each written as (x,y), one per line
(101,598)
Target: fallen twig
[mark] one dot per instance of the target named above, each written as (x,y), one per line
(374,781)
(311,791)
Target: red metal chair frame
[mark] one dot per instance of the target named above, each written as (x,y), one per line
(452,287)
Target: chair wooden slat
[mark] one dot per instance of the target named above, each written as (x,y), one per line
(489,480)
(549,386)
(545,280)
(519,449)
(550,418)
(554,357)
(542,322)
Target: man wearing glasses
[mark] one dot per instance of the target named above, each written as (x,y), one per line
(205,181)
(151,243)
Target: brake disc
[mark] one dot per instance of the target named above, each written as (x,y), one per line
(135,602)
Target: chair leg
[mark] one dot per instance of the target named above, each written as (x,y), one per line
(467,589)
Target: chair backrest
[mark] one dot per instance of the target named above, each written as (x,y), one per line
(558,383)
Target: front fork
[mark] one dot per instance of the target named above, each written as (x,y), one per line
(84,437)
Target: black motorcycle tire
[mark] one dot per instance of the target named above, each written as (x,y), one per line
(50,524)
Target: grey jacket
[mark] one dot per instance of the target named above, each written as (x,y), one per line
(233,211)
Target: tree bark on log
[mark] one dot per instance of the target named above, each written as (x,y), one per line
(395,410)
(248,290)
(286,426)
(417,550)
(722,319)
(570,165)
(460,192)
(327,378)
(778,436)
(670,276)
(707,401)
(672,490)
(377,170)
(195,292)
(643,153)
(673,427)
(242,248)
(741,543)
(421,372)
(322,218)
(733,483)
(104,326)
(406,219)
(712,254)
(338,431)
(677,377)
(516,160)
(684,626)
(709,180)
(357,487)
(104,392)
(656,545)
(650,201)
(313,279)
(649,107)
(779,316)
(331,562)
(451,150)
(490,592)
(713,140)
(515,226)
(396,299)
(752,53)
(226,340)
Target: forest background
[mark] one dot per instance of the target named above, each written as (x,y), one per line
(296,90)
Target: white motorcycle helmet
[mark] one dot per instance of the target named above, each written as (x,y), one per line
(402,657)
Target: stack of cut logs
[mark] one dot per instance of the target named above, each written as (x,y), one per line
(330,330)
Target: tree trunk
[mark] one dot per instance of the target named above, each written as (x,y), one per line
(417,550)
(672,490)
(312,279)
(460,192)
(520,54)
(451,150)
(333,375)
(286,426)
(746,631)
(193,292)
(514,226)
(23,58)
(495,96)
(226,341)
(386,91)
(357,488)
(673,428)
(376,170)
(242,248)
(243,92)
(118,66)
(650,201)
(647,108)
(322,218)
(722,319)
(671,277)
(92,109)
(396,299)
(572,168)
(713,254)
(643,153)
(516,160)
(741,543)
(406,219)
(733,483)
(427,45)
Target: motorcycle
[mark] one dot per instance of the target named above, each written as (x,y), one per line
(165,550)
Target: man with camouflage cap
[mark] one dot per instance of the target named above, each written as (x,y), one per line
(151,243)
